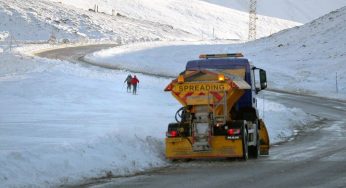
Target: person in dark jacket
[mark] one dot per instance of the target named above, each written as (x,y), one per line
(128,81)
(134,83)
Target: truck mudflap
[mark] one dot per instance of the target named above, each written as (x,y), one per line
(221,147)
(264,139)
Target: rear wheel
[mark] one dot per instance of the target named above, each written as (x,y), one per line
(254,151)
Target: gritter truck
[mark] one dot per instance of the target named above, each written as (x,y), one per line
(219,116)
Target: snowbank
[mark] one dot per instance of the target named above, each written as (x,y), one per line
(63,123)
(282,123)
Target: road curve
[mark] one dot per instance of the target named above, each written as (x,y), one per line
(76,55)
(315,158)
(73,54)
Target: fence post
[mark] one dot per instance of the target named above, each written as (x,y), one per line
(336,82)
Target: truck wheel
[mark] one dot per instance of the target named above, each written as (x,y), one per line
(254,151)
(245,146)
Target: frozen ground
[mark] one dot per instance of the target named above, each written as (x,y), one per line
(304,59)
(62,123)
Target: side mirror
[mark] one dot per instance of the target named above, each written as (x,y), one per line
(263,78)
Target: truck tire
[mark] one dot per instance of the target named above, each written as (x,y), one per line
(245,145)
(254,151)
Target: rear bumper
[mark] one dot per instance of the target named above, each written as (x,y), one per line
(181,148)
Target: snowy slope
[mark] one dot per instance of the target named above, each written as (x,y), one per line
(146,20)
(294,10)
(132,21)
(37,20)
(307,58)
(193,16)
(303,59)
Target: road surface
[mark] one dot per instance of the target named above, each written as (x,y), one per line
(315,158)
(73,54)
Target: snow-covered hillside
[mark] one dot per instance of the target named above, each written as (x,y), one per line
(294,10)
(207,21)
(38,20)
(307,58)
(302,59)
(147,20)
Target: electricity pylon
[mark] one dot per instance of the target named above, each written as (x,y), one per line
(252,20)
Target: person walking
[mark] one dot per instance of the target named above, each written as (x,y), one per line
(134,83)
(128,81)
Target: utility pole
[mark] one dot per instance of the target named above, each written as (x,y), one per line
(11,38)
(52,37)
(252,20)
(213,33)
(13,42)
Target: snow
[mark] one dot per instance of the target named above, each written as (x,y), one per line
(63,123)
(303,59)
(282,122)
(294,10)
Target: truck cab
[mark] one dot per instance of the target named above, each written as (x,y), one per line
(235,61)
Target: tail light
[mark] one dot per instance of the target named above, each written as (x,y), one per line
(172,133)
(233,132)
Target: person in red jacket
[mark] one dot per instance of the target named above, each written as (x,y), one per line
(134,82)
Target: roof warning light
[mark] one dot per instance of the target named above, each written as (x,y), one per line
(207,56)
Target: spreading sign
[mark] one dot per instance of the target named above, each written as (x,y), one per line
(201,87)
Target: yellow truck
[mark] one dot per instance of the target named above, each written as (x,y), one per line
(219,116)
